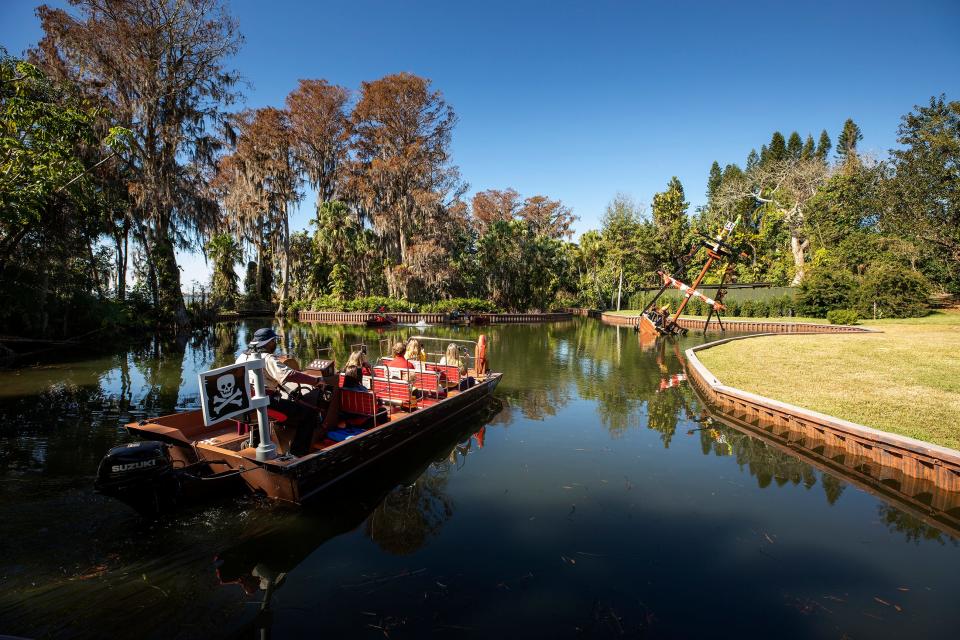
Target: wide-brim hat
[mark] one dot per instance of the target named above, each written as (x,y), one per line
(262,337)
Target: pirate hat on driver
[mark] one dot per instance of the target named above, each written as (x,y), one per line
(263,336)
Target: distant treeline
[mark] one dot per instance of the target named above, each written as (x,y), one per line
(120,147)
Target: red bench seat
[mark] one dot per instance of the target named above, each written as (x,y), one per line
(361,408)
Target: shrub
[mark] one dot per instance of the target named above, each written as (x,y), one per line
(783,305)
(825,288)
(325,303)
(462,304)
(373,303)
(843,316)
(893,291)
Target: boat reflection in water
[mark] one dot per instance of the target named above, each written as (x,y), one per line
(400,505)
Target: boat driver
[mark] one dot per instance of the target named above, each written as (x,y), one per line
(279,380)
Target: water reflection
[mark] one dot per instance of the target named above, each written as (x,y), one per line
(600,454)
(399,508)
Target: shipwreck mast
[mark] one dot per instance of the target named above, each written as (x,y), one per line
(654,321)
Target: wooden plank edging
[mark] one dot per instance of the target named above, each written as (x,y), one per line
(914,458)
(744,326)
(361,317)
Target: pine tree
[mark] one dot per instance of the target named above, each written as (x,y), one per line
(794,146)
(778,147)
(714,180)
(823,147)
(753,159)
(848,139)
(670,222)
(764,154)
(808,148)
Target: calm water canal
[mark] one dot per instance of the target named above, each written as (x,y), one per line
(585,501)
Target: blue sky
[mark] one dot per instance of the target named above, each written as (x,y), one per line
(580,100)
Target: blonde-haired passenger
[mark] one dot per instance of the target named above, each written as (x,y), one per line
(358,359)
(415,351)
(452,359)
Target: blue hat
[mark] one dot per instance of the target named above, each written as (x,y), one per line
(262,336)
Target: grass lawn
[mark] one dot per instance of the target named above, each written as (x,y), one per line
(904,380)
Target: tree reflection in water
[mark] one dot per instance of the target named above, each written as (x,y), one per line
(411,514)
(913,529)
(625,376)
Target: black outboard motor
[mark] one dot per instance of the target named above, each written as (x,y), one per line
(140,474)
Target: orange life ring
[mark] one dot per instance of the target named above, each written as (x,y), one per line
(480,355)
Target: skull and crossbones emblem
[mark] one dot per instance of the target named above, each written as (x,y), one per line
(228,393)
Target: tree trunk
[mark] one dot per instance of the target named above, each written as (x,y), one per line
(259,278)
(285,264)
(619,289)
(122,284)
(170,305)
(121,240)
(98,285)
(798,248)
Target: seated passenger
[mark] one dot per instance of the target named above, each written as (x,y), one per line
(452,359)
(359,359)
(352,378)
(301,415)
(415,352)
(399,361)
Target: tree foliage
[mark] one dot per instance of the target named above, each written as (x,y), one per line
(158,67)
(923,198)
(224,253)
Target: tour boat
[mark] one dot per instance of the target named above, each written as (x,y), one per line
(180,459)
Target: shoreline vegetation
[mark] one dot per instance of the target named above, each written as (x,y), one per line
(904,379)
(99,188)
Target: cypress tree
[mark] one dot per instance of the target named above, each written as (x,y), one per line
(794,146)
(808,148)
(778,147)
(823,147)
(848,139)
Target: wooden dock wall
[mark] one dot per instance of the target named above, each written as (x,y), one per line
(361,317)
(583,313)
(743,326)
(923,474)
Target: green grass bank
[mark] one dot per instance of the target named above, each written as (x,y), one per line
(905,380)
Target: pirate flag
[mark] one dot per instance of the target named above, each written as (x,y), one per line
(224,393)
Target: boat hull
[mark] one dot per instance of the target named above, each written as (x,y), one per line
(226,460)
(316,473)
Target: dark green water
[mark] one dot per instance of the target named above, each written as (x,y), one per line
(596,507)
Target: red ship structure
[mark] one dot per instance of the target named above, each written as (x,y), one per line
(657,321)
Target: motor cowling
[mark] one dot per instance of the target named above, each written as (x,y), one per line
(140,474)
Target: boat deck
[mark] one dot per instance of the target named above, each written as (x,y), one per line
(228,440)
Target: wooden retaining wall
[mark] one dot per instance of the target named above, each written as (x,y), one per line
(925,475)
(743,326)
(583,313)
(361,317)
